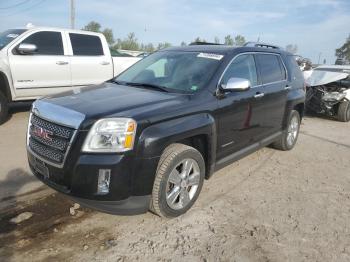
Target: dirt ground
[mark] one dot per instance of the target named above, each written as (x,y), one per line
(269,206)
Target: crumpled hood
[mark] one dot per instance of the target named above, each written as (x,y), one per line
(319,78)
(109,99)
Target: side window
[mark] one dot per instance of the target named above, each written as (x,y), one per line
(294,68)
(86,45)
(283,69)
(270,68)
(48,43)
(243,67)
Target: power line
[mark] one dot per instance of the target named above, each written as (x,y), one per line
(12,6)
(26,9)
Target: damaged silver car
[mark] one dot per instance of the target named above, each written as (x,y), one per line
(328,91)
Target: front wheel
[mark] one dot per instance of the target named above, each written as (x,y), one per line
(344,111)
(179,180)
(290,135)
(3,108)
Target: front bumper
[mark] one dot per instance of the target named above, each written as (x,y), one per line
(130,186)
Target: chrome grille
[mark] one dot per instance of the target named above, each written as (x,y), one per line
(52,142)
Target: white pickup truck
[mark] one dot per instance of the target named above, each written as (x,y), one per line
(39,61)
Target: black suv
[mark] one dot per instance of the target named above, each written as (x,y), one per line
(148,138)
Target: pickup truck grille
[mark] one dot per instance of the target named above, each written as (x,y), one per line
(48,140)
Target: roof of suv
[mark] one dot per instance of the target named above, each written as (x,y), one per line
(224,49)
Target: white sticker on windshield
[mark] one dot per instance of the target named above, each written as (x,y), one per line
(210,56)
(12,35)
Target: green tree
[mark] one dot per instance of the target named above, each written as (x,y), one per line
(292,49)
(93,27)
(108,33)
(183,43)
(228,40)
(344,51)
(217,40)
(163,45)
(96,27)
(239,40)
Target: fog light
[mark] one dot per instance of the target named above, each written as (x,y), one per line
(104,178)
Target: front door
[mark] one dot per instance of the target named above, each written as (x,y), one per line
(237,127)
(44,70)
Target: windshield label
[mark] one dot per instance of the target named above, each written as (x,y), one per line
(210,56)
(12,35)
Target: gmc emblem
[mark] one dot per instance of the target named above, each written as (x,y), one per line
(42,133)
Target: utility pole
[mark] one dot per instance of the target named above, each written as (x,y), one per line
(72,14)
(319,58)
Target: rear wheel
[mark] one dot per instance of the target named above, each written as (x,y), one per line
(3,108)
(290,135)
(344,111)
(178,182)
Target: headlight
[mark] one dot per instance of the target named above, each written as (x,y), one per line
(111,135)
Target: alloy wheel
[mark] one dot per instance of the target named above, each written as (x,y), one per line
(293,130)
(182,184)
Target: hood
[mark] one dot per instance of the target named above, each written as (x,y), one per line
(109,99)
(319,78)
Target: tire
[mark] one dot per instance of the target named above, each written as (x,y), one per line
(4,108)
(173,193)
(344,111)
(290,136)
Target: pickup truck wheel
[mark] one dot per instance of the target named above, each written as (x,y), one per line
(290,135)
(344,111)
(3,108)
(179,180)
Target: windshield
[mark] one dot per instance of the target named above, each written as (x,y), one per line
(173,70)
(9,35)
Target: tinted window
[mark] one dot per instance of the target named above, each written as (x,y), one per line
(47,43)
(270,68)
(86,45)
(242,67)
(294,68)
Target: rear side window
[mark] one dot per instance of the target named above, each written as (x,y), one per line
(242,67)
(47,43)
(270,68)
(295,71)
(86,45)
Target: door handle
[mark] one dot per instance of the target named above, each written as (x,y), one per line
(104,63)
(259,95)
(287,87)
(61,63)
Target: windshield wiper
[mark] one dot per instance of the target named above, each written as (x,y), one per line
(147,85)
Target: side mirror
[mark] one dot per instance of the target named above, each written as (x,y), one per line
(26,49)
(236,84)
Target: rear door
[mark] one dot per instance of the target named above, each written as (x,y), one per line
(91,60)
(273,92)
(45,70)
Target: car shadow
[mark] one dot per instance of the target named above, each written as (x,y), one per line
(14,181)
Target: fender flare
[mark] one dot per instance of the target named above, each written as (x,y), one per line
(155,138)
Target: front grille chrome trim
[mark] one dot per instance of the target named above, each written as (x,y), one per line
(45,160)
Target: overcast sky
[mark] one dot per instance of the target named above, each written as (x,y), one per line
(316,26)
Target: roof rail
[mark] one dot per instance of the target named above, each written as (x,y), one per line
(259,44)
(203,43)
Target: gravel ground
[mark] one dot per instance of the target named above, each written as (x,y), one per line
(269,206)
